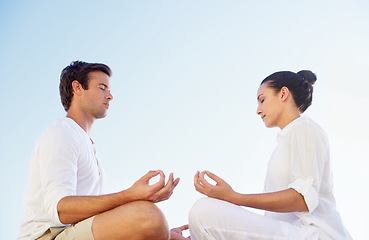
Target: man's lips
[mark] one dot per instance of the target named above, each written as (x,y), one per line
(106,104)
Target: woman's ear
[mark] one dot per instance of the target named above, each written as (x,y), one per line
(77,87)
(285,92)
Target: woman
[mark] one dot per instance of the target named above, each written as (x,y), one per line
(298,199)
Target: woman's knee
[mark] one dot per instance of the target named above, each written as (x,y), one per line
(204,213)
(203,209)
(209,210)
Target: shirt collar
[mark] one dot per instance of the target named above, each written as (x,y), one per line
(287,129)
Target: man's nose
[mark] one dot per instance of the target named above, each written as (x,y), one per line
(110,96)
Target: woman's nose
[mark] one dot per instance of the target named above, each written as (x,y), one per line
(258,110)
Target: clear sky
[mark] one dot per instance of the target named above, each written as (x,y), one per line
(185,76)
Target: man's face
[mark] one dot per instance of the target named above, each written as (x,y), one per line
(96,98)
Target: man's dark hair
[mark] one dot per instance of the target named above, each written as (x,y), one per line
(79,71)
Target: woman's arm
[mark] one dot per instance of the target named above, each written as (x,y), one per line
(283,201)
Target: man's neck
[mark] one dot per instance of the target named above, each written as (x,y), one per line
(84,122)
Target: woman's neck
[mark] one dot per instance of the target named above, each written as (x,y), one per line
(289,116)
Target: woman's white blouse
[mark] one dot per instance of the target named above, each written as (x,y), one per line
(301,161)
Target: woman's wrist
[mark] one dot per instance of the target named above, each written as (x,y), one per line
(235,198)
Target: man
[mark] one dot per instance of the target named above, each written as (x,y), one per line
(65,196)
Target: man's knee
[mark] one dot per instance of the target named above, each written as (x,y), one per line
(151,219)
(135,220)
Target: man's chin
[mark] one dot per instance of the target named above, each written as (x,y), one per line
(102,115)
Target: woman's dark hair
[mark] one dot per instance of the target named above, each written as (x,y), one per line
(300,85)
(79,71)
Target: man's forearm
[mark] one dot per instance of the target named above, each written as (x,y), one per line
(73,209)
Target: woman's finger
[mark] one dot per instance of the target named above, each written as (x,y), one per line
(184,227)
(203,181)
(197,184)
(214,177)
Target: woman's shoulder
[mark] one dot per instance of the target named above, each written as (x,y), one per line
(305,120)
(309,126)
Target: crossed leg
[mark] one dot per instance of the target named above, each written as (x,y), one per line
(214,219)
(140,220)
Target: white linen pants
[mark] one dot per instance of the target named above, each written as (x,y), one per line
(213,219)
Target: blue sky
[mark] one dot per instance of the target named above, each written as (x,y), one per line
(185,76)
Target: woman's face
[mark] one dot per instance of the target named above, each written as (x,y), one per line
(270,106)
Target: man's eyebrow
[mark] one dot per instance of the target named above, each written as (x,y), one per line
(259,97)
(104,85)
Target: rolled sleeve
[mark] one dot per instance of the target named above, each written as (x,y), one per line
(306,189)
(51,205)
(58,171)
(309,148)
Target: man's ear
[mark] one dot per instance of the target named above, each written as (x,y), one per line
(285,92)
(77,88)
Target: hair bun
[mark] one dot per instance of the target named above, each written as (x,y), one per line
(308,75)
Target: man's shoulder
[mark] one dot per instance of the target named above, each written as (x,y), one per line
(62,129)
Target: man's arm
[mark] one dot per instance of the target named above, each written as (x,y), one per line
(72,209)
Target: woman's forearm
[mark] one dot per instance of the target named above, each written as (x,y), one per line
(283,201)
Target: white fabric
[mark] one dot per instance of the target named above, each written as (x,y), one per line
(213,219)
(300,161)
(63,163)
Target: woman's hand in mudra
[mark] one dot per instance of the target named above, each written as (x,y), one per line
(221,190)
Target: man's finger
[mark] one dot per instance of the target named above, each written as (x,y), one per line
(170,179)
(162,177)
(166,191)
(175,183)
(161,183)
(150,175)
